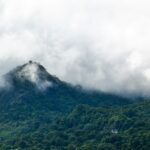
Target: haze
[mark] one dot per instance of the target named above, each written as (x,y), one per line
(100,44)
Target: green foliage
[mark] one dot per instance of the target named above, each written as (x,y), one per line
(84,128)
(67,118)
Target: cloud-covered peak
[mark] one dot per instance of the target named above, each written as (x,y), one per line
(34,73)
(30,72)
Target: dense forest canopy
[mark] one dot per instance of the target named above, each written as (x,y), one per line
(66,117)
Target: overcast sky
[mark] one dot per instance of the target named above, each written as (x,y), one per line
(100,44)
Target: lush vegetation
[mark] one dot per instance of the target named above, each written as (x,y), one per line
(85,128)
(67,118)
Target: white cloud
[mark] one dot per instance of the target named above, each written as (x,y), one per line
(32,73)
(102,44)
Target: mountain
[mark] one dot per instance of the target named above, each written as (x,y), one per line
(38,111)
(33,87)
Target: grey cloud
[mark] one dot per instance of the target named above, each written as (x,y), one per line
(99,44)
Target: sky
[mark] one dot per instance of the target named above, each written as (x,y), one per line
(99,44)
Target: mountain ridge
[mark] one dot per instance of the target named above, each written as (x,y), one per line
(61,94)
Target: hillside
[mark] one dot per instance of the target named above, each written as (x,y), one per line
(41,112)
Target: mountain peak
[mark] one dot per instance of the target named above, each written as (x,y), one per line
(34,73)
(30,71)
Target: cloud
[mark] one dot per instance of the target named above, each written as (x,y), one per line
(32,73)
(100,44)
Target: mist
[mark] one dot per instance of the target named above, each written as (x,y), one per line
(99,44)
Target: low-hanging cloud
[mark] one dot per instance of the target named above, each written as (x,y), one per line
(100,44)
(32,73)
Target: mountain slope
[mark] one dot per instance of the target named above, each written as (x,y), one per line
(39,111)
(33,87)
